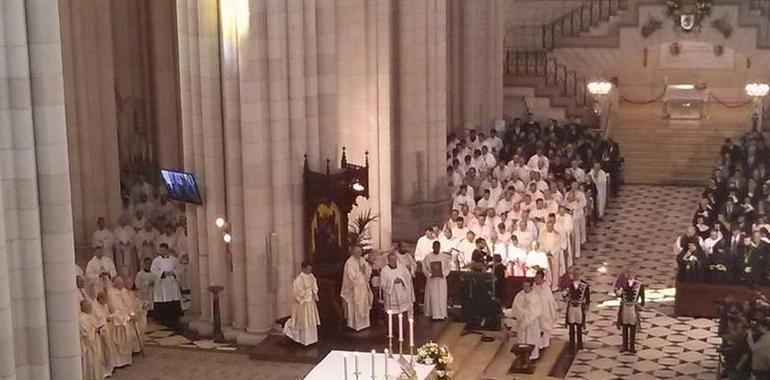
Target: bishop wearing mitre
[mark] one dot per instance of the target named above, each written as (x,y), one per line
(436,267)
(526,310)
(396,286)
(302,327)
(356,294)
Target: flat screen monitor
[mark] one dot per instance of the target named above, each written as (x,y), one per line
(181,186)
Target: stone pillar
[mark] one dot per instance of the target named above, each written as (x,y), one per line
(37,243)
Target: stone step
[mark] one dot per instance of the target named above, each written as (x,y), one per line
(482,355)
(462,350)
(450,334)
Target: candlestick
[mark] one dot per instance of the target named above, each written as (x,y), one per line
(386,363)
(400,327)
(356,372)
(390,324)
(345,366)
(411,332)
(373,352)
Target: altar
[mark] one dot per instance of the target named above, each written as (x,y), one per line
(685,101)
(370,366)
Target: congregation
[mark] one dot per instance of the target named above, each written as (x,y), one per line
(138,268)
(729,240)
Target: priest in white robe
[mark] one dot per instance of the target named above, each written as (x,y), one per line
(144,282)
(526,310)
(302,327)
(100,269)
(104,235)
(101,310)
(436,268)
(536,260)
(405,258)
(602,181)
(424,244)
(565,226)
(91,353)
(547,319)
(167,307)
(125,255)
(396,286)
(550,243)
(124,331)
(356,293)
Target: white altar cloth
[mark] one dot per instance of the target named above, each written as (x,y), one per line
(685,101)
(331,367)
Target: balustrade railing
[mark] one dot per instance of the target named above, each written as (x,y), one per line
(570,24)
(556,75)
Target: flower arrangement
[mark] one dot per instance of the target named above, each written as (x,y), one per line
(435,354)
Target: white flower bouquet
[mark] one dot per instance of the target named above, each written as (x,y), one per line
(438,355)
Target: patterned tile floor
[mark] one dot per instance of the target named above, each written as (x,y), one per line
(639,229)
(160,336)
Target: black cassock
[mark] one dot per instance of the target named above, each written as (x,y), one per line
(720,267)
(691,265)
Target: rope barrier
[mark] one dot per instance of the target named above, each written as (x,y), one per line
(739,105)
(643,102)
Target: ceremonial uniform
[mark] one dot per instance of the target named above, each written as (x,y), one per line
(631,295)
(577,296)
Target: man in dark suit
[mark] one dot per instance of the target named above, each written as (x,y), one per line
(732,149)
(730,211)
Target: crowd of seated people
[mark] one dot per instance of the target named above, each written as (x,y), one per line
(745,331)
(116,288)
(523,195)
(729,240)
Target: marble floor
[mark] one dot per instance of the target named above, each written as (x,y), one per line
(638,230)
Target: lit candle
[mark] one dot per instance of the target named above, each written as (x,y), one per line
(411,332)
(345,366)
(373,352)
(355,365)
(386,363)
(400,327)
(390,324)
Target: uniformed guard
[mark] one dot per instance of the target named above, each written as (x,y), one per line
(631,293)
(577,296)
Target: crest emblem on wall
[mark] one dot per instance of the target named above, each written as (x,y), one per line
(687,21)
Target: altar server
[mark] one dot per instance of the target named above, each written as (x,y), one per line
(396,286)
(547,318)
(355,293)
(91,353)
(302,327)
(166,294)
(526,309)
(436,267)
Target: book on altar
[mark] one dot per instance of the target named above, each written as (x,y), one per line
(436,269)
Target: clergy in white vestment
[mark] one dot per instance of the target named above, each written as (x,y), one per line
(566,229)
(424,244)
(396,286)
(601,179)
(302,327)
(526,309)
(516,259)
(91,353)
(100,269)
(104,235)
(464,251)
(356,293)
(144,281)
(101,310)
(405,258)
(550,242)
(436,267)
(125,255)
(145,240)
(167,307)
(124,334)
(524,234)
(82,294)
(138,315)
(714,238)
(448,243)
(548,305)
(536,260)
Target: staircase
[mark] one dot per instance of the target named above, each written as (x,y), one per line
(674,152)
(475,359)
(533,74)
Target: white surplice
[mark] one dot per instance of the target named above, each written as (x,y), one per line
(356,293)
(423,248)
(302,327)
(165,289)
(96,266)
(547,318)
(536,258)
(436,287)
(550,242)
(105,239)
(91,352)
(602,180)
(526,309)
(396,287)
